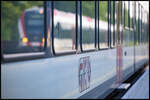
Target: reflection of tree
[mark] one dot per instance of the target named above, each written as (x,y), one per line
(12,10)
(67,6)
(88,8)
(103,10)
(10,13)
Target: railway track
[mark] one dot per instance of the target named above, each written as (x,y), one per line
(119,92)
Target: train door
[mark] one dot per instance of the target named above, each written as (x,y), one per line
(119,56)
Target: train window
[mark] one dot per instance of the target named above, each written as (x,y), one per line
(112,23)
(123,10)
(137,23)
(125,22)
(22,27)
(144,28)
(103,24)
(139,27)
(88,25)
(141,24)
(131,14)
(64,26)
(147,27)
(115,22)
(126,14)
(131,35)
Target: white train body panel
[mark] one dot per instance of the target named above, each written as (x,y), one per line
(57,77)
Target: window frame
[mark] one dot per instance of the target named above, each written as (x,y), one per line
(126,27)
(139,31)
(124,13)
(76,29)
(108,33)
(98,46)
(113,41)
(114,23)
(6,58)
(129,15)
(133,16)
(130,20)
(141,24)
(109,24)
(95,29)
(135,23)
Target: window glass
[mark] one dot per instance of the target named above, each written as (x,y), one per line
(22,26)
(141,24)
(88,25)
(123,12)
(115,23)
(103,24)
(113,13)
(145,27)
(131,34)
(126,14)
(131,13)
(64,26)
(127,34)
(111,21)
(141,33)
(137,23)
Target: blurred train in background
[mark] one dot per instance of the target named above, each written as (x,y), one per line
(71,49)
(31,28)
(31,23)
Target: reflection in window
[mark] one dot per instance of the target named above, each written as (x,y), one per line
(140,23)
(103,24)
(131,13)
(22,26)
(126,32)
(88,25)
(126,14)
(64,26)
(136,34)
(115,22)
(131,35)
(112,23)
(144,38)
(139,27)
